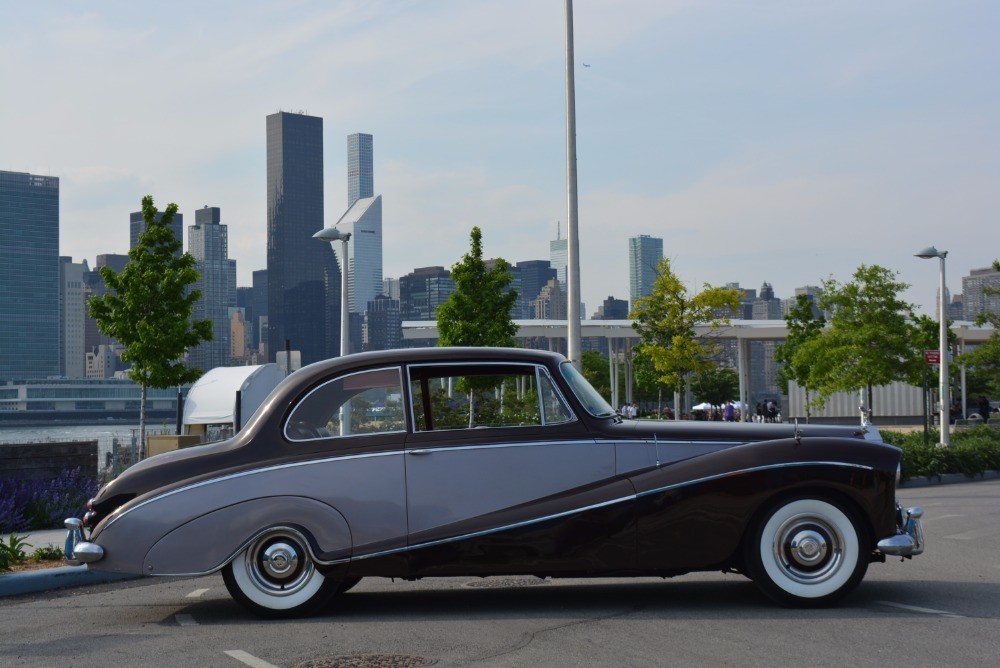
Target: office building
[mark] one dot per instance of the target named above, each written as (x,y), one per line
(644,255)
(534,274)
(72,354)
(364,251)
(137,225)
(29,276)
(383,327)
(550,303)
(422,291)
(975,292)
(208,243)
(303,276)
(766,306)
(360,171)
(559,260)
(390,288)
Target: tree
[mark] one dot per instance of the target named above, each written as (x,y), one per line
(716,385)
(870,340)
(477,313)
(803,326)
(666,321)
(597,373)
(983,361)
(148,308)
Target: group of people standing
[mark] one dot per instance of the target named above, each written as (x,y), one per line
(767,411)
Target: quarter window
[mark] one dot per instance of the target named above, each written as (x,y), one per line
(367,402)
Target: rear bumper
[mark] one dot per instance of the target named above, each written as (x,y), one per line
(77,550)
(909,538)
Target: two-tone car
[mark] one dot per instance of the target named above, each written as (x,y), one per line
(485,461)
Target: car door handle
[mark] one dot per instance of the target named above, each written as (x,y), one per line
(419,452)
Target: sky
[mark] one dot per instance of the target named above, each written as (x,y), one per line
(786,142)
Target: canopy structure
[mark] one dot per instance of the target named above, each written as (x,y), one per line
(212,399)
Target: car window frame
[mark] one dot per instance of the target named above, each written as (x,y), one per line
(538,369)
(402,393)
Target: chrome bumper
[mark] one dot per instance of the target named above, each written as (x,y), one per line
(909,539)
(77,550)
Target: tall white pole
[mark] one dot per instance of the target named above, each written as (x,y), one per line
(572,231)
(945,398)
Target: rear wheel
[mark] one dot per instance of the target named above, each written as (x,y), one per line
(275,576)
(807,552)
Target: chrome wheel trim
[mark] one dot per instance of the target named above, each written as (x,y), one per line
(278,564)
(808,548)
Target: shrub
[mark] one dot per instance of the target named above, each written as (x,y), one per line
(30,505)
(972,452)
(12,552)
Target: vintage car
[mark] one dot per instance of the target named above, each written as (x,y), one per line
(485,461)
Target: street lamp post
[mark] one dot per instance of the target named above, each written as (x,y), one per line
(331,234)
(926,254)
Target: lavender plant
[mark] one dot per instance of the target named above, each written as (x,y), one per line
(30,505)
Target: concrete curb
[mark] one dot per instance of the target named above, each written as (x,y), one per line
(28,582)
(947,479)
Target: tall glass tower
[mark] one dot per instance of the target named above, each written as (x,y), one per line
(29,276)
(360,173)
(208,243)
(303,275)
(644,254)
(364,251)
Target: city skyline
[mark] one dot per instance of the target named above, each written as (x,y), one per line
(775,142)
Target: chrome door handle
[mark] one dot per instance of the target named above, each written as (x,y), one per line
(419,452)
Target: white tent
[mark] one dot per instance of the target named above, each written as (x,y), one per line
(212,399)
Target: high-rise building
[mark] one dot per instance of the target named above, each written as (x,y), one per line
(360,171)
(612,309)
(383,328)
(559,260)
(137,225)
(29,276)
(208,243)
(364,251)
(390,288)
(976,300)
(421,292)
(302,274)
(551,302)
(93,286)
(72,354)
(766,306)
(644,255)
(259,311)
(534,275)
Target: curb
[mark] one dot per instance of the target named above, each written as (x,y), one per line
(28,582)
(947,479)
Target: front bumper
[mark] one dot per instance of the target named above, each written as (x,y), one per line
(909,538)
(77,550)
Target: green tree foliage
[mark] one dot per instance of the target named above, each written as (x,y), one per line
(597,372)
(716,385)
(983,362)
(148,308)
(803,325)
(666,321)
(477,313)
(870,340)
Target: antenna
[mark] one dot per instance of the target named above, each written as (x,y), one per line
(558,236)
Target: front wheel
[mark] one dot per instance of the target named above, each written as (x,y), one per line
(275,576)
(807,552)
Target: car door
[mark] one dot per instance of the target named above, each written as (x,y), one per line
(501,476)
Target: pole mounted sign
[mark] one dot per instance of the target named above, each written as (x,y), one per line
(932,356)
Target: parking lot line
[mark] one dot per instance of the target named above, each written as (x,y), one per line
(249,659)
(925,611)
(185,620)
(196,593)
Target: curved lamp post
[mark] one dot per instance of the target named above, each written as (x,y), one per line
(926,254)
(331,234)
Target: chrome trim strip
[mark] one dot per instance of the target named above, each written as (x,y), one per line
(495,446)
(242,474)
(754,469)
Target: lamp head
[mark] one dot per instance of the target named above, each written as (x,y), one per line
(331,234)
(930,252)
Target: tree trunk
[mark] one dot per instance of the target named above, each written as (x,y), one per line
(142,424)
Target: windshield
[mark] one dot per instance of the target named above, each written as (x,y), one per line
(592,401)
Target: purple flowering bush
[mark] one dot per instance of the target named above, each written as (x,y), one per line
(31,505)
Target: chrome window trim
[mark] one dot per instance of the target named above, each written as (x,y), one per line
(291,414)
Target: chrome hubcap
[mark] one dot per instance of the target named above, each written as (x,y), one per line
(809,548)
(278,563)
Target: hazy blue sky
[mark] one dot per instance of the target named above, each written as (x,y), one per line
(764,141)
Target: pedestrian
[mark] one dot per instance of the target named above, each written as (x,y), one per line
(730,412)
(984,407)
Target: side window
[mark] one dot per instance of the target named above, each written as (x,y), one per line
(475,396)
(367,402)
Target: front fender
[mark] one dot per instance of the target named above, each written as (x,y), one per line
(209,542)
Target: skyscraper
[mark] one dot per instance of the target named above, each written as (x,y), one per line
(559,260)
(72,355)
(29,276)
(644,255)
(421,292)
(137,225)
(360,171)
(364,251)
(303,275)
(534,275)
(208,243)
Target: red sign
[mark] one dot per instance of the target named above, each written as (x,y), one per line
(932,356)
